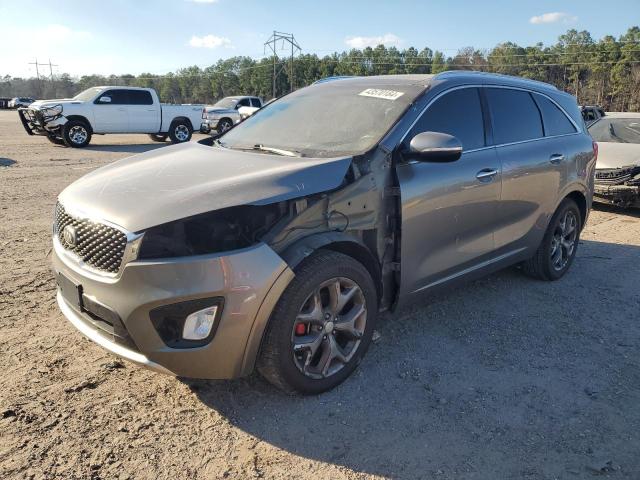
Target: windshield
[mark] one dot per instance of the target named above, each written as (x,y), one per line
(619,130)
(325,120)
(226,103)
(88,94)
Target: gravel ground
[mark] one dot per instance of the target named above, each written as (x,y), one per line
(506,377)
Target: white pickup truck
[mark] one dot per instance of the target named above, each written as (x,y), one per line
(102,110)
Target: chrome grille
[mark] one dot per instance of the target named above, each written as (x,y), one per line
(98,245)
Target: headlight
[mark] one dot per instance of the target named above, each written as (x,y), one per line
(52,111)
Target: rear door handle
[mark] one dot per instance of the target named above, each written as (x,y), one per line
(486,174)
(556,158)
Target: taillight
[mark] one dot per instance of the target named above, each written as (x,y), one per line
(595,150)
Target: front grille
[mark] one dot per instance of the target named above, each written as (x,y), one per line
(616,176)
(98,245)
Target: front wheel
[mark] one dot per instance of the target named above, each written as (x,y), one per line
(322,325)
(180,131)
(76,134)
(559,245)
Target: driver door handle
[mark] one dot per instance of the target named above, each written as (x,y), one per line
(486,174)
(556,158)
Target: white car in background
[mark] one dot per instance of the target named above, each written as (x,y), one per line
(617,179)
(227,112)
(103,110)
(18,102)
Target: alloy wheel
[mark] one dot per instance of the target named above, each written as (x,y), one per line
(78,134)
(328,328)
(563,241)
(182,133)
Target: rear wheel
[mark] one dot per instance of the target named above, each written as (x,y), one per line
(156,137)
(76,134)
(180,131)
(322,325)
(559,245)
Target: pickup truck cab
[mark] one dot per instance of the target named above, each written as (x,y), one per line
(103,110)
(227,112)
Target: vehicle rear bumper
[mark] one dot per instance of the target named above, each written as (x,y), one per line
(115,312)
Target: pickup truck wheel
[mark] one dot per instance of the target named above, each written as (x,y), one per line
(180,131)
(224,125)
(559,245)
(55,140)
(76,134)
(322,325)
(156,137)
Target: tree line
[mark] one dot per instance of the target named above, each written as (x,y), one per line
(604,72)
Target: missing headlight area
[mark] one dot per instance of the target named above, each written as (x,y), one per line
(222,230)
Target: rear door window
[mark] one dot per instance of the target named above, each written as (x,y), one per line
(140,97)
(256,102)
(458,113)
(515,115)
(555,121)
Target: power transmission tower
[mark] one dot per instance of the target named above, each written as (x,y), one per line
(37,71)
(272,43)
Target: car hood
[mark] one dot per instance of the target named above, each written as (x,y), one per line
(50,103)
(617,155)
(187,179)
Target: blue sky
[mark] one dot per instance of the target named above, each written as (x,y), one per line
(134,36)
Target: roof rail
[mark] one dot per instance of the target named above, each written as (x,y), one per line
(459,73)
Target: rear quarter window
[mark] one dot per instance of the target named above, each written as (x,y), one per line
(555,121)
(514,114)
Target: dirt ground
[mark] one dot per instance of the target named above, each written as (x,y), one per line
(506,377)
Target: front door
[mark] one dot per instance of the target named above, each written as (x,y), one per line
(111,116)
(449,210)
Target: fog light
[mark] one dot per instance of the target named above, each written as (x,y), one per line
(198,325)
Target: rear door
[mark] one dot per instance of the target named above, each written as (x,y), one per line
(144,115)
(533,166)
(449,210)
(111,117)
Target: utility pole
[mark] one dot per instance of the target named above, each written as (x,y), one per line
(272,43)
(51,69)
(37,71)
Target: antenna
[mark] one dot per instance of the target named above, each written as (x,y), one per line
(272,43)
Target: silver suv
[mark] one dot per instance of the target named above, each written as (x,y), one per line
(276,245)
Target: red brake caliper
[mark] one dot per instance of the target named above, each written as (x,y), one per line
(301,329)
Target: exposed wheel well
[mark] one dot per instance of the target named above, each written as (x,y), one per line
(581,201)
(80,118)
(182,119)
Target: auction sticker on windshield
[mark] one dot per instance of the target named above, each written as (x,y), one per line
(384,94)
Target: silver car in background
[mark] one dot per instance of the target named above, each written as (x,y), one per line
(618,168)
(275,246)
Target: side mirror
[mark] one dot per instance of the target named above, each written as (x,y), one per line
(434,147)
(104,99)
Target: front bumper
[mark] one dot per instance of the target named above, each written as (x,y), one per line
(250,280)
(35,122)
(619,195)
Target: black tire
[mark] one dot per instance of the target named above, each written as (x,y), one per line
(180,131)
(276,361)
(76,134)
(224,125)
(157,137)
(542,265)
(55,140)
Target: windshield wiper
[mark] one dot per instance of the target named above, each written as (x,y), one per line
(277,151)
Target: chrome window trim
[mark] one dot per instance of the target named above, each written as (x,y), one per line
(496,145)
(75,262)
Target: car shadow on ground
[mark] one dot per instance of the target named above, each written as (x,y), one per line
(488,379)
(7,162)
(630,212)
(129,148)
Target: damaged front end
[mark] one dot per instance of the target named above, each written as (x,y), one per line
(41,121)
(618,186)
